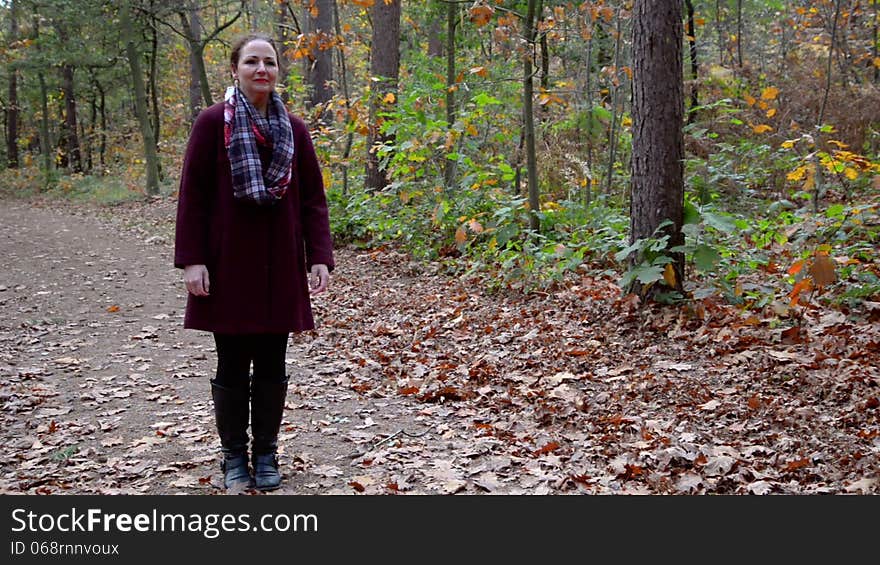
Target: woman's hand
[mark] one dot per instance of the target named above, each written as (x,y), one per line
(319,279)
(196,279)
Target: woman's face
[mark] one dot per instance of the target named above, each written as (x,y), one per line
(257,71)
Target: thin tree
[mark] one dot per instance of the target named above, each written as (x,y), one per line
(140,99)
(384,73)
(198,41)
(320,59)
(658,111)
(529,117)
(12,109)
(451,22)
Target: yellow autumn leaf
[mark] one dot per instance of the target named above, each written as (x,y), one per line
(770,93)
(839,144)
(763,105)
(877,62)
(700,21)
(479,71)
(771,112)
(761,128)
(789,143)
(389,98)
(797,174)
(460,235)
(851,173)
(749,100)
(669,275)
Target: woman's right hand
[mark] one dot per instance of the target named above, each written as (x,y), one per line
(196,279)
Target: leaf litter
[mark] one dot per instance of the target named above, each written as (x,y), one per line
(419,383)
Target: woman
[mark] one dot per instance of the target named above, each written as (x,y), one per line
(251,225)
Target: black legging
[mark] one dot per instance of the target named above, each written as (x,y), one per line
(236,351)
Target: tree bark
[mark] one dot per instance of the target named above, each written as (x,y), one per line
(384,72)
(658,109)
(615,90)
(154,82)
(529,118)
(195,75)
(320,71)
(12,110)
(74,159)
(450,165)
(739,32)
(343,79)
(140,101)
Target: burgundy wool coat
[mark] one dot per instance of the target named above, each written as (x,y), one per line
(258,257)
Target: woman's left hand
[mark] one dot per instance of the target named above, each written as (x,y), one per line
(319,279)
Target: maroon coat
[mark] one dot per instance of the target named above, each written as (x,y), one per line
(258,257)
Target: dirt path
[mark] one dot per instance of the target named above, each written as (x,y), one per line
(104,392)
(419,383)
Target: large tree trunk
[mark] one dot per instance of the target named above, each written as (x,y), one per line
(320,71)
(658,108)
(12,103)
(384,71)
(529,118)
(140,101)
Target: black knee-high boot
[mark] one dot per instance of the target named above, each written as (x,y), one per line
(231,413)
(267,410)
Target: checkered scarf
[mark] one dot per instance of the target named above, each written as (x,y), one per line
(243,131)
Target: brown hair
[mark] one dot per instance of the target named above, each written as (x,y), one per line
(245,39)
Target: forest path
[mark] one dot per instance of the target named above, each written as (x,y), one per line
(415,382)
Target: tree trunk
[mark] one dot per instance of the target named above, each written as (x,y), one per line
(739,31)
(719,29)
(435,40)
(321,65)
(876,41)
(529,118)
(343,79)
(74,160)
(102,109)
(12,109)
(384,71)
(284,38)
(695,70)
(658,109)
(450,165)
(154,82)
(140,101)
(45,136)
(615,90)
(195,77)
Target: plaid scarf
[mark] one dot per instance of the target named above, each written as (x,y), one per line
(243,131)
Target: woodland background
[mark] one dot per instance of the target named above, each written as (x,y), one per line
(780,132)
(489,183)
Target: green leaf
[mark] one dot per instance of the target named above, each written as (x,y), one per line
(691,214)
(647,274)
(721,222)
(834,211)
(706,257)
